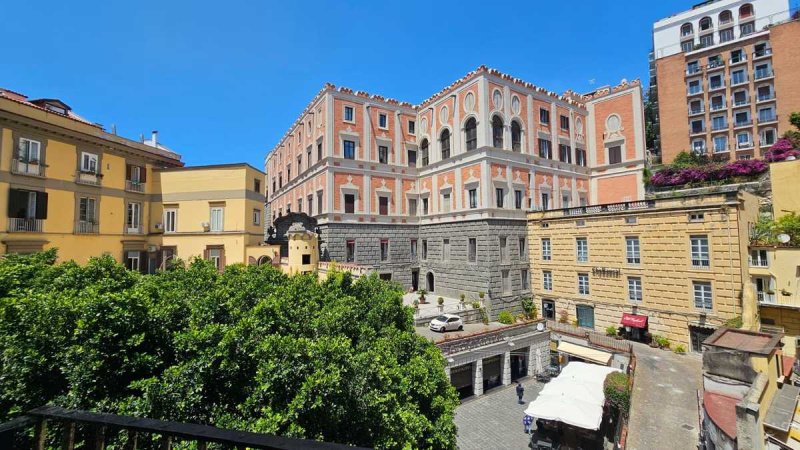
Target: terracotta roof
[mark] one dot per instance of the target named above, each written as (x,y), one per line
(743,340)
(19,98)
(721,409)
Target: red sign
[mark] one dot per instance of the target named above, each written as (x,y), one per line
(634,320)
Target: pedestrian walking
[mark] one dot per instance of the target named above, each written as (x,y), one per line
(526,421)
(520,392)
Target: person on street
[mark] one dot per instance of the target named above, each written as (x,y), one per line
(526,421)
(520,392)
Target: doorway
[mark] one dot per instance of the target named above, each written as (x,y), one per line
(461,378)
(697,335)
(519,363)
(431,286)
(414,280)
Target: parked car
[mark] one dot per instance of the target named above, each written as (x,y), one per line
(447,322)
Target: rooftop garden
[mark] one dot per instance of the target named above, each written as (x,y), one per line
(767,230)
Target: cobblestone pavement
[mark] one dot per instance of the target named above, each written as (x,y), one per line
(493,421)
(664,406)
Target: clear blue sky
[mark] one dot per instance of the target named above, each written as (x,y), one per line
(222,81)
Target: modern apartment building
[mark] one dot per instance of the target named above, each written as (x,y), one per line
(725,77)
(67,183)
(671,266)
(434,195)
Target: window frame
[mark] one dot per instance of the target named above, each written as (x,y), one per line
(170,224)
(220,210)
(700,251)
(635,287)
(547,250)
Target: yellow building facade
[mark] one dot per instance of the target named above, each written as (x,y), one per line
(674,267)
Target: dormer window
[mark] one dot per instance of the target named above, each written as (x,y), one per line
(54,108)
(53,105)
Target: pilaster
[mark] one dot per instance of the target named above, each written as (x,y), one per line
(506,368)
(477,377)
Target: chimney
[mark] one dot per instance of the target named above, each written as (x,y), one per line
(113,129)
(155,138)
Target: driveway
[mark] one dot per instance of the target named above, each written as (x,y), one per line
(493,421)
(664,404)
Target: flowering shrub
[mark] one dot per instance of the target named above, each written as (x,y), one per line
(671,176)
(781,150)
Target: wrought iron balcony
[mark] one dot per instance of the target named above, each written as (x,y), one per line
(134,186)
(86,227)
(24,225)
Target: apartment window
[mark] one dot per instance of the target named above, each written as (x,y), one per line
(699,249)
(349,149)
(506,281)
(473,198)
(88,162)
(720,144)
(499,195)
(738,77)
(545,149)
(763,71)
(300,205)
(582,249)
(349,114)
(383,121)
(565,200)
(696,217)
(580,157)
(29,151)
(564,122)
(383,205)
(583,283)
(698,126)
(707,40)
(740,98)
(747,28)
(766,114)
(717,102)
(548,309)
(687,46)
(546,255)
(413,249)
(726,35)
(412,158)
(256,185)
(547,280)
(412,126)
(695,87)
(133,260)
(743,140)
(615,154)
(87,214)
(446,203)
(692,67)
(310,201)
(523,276)
(319,202)
(718,123)
(384,249)
(764,93)
(565,153)
(472,249)
(256,217)
(635,289)
(504,249)
(299,164)
(715,82)
(737,56)
(288,173)
(308,156)
(134,217)
(350,249)
(545,200)
(215,256)
(768,136)
(412,207)
(471,132)
(585,316)
(544,116)
(632,250)
(349,203)
(630,220)
(217,217)
(702,295)
(516,137)
(446,250)
(518,199)
(319,151)
(383,154)
(424,249)
(423,148)
(424,206)
(758,258)
(170,220)
(497,132)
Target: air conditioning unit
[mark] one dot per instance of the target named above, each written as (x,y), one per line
(159,226)
(206,226)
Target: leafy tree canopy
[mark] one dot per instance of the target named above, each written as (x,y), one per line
(250,348)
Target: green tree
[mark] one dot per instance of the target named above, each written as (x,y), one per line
(250,348)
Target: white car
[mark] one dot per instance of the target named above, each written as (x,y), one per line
(447,322)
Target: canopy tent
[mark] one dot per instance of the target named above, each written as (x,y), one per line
(586,353)
(575,397)
(634,320)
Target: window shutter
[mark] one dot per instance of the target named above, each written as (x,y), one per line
(205,254)
(41,205)
(17,202)
(142,174)
(144,262)
(128,171)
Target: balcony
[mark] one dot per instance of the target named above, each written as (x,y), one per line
(692,70)
(595,209)
(86,227)
(134,186)
(767,118)
(718,106)
(764,297)
(758,262)
(743,123)
(133,230)
(719,126)
(764,73)
(697,130)
(694,91)
(32,168)
(696,111)
(739,60)
(744,145)
(735,82)
(763,53)
(713,65)
(716,87)
(90,178)
(24,225)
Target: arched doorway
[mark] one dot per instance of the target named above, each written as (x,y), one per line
(429,278)
(264,260)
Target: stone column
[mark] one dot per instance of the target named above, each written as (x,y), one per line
(533,360)
(506,368)
(447,372)
(477,379)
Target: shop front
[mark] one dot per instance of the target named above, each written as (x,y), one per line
(635,327)
(462,378)
(492,372)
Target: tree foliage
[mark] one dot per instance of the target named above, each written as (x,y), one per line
(617,391)
(250,348)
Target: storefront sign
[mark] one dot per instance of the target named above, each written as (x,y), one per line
(606,272)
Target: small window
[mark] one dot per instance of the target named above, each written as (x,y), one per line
(257,185)
(471,133)
(88,162)
(545,149)
(499,196)
(696,217)
(306,259)
(632,250)
(506,281)
(424,249)
(504,249)
(615,154)
(217,218)
(635,289)
(518,199)
(583,283)
(412,127)
(473,198)
(383,121)
(523,276)
(424,206)
(544,116)
(700,251)
(630,220)
(256,217)
(384,249)
(412,207)
(349,203)
(446,203)
(580,223)
(547,280)
(383,205)
(702,295)
(446,250)
(564,122)
(523,248)
(349,149)
(582,249)
(349,114)
(413,249)
(444,142)
(350,251)
(383,154)
(472,253)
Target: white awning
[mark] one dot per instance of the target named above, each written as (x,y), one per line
(589,354)
(574,397)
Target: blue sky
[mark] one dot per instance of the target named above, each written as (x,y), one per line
(222,81)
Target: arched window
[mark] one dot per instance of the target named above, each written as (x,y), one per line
(423,148)
(516,136)
(745,11)
(706,23)
(471,130)
(445,144)
(725,17)
(687,30)
(497,132)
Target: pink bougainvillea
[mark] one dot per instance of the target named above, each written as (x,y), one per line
(712,172)
(781,150)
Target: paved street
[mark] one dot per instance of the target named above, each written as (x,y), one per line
(664,406)
(494,420)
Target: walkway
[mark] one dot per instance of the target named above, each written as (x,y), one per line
(664,405)
(494,420)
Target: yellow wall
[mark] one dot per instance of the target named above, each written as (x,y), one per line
(784,176)
(302,243)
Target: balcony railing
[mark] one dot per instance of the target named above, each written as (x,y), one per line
(91,178)
(718,106)
(611,207)
(722,149)
(695,111)
(743,123)
(762,53)
(764,297)
(134,186)
(766,97)
(22,167)
(694,91)
(744,145)
(759,262)
(86,227)
(133,230)
(765,73)
(736,82)
(741,102)
(698,130)
(691,70)
(719,126)
(715,64)
(767,118)
(738,60)
(17,225)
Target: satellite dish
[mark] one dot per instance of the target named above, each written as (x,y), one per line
(783,238)
(540,326)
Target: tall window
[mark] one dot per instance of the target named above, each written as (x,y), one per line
(424,249)
(133,260)
(546,255)
(585,316)
(565,200)
(635,289)
(545,149)
(565,153)
(446,203)
(170,220)
(319,151)
(472,252)
(215,256)
(412,127)
(384,249)
(632,250)
(413,249)
(349,114)
(523,275)
(217,218)
(702,295)
(423,148)
(350,251)
(383,205)
(349,149)
(580,157)
(88,162)
(383,121)
(523,248)
(582,249)
(506,281)
(412,207)
(700,253)
(547,280)
(583,283)
(29,151)
(471,131)
(544,116)
(545,200)
(87,209)
(425,206)
(349,203)
(310,201)
(516,136)
(319,202)
(445,143)
(134,217)
(383,154)
(499,195)
(564,122)
(473,198)
(615,154)
(497,132)
(518,199)
(503,249)
(446,249)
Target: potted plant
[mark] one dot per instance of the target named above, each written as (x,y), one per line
(611,331)
(416,306)
(421,294)
(481,294)
(680,349)
(563,316)
(654,339)
(440,301)
(785,292)
(462,297)
(476,305)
